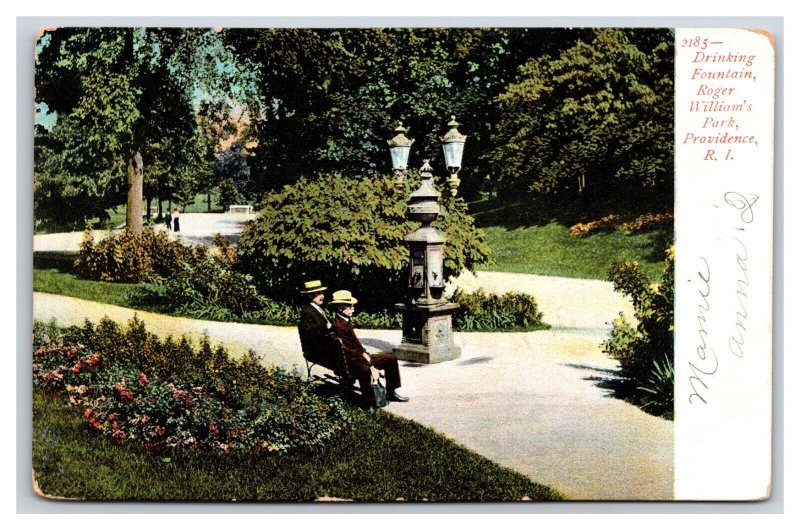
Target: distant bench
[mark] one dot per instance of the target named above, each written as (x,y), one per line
(240,208)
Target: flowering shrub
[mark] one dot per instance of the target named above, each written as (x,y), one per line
(57,364)
(647,221)
(584,229)
(204,401)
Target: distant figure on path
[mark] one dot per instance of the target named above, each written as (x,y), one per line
(176,220)
(168,220)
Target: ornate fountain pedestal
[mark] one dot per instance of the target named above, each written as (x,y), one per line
(427,334)
(427,315)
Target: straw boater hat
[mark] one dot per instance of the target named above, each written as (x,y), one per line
(314,286)
(343,298)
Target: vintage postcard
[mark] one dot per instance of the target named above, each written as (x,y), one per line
(397,264)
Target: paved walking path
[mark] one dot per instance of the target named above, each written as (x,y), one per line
(196,228)
(528,401)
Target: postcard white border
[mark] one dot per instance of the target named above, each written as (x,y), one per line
(27,503)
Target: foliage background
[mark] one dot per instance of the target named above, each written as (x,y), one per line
(348,233)
(544,109)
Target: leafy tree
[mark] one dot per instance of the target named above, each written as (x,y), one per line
(595,118)
(125,99)
(63,198)
(229,193)
(231,167)
(334,95)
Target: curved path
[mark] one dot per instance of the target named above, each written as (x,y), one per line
(528,401)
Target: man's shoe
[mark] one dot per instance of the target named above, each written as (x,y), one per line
(394,396)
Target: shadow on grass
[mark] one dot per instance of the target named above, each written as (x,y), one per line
(61,261)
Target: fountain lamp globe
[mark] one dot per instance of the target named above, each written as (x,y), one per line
(399,148)
(453,145)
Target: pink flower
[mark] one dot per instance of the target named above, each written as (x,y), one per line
(124,394)
(119,435)
(93,360)
(91,417)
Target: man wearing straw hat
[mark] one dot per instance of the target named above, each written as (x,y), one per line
(314,327)
(364,367)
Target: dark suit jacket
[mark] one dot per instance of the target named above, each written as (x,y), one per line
(315,336)
(353,349)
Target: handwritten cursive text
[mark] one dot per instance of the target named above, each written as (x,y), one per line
(706,357)
(742,203)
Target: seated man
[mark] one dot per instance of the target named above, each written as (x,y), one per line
(363,365)
(314,327)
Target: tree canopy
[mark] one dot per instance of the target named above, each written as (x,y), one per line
(546,110)
(595,118)
(126,98)
(333,96)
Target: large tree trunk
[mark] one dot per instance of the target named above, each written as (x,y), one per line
(133,210)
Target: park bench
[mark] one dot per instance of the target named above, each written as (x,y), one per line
(335,361)
(240,208)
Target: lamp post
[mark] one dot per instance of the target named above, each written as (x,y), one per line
(427,315)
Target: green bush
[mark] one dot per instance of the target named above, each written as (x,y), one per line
(645,352)
(132,386)
(347,232)
(378,320)
(480,311)
(208,288)
(125,257)
(209,284)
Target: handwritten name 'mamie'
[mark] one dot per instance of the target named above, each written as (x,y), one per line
(706,362)
(705,353)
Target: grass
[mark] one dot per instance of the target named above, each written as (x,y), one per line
(534,238)
(58,282)
(383,458)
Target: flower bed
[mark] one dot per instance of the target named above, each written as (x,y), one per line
(648,221)
(584,229)
(252,409)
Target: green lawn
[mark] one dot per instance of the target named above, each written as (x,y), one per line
(58,282)
(382,458)
(535,239)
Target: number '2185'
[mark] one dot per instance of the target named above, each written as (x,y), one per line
(695,42)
